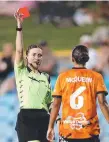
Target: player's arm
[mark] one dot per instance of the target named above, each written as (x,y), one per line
(57,95)
(57,98)
(104,105)
(53,115)
(54,111)
(101,92)
(19,38)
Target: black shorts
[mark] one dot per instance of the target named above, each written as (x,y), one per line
(92,139)
(32,124)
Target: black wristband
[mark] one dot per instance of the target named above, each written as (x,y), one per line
(18,29)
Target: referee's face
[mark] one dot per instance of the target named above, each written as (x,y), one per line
(34,57)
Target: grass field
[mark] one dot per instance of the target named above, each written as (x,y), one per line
(58,39)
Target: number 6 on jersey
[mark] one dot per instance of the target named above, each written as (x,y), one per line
(75,96)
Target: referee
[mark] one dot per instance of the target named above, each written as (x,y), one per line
(33,89)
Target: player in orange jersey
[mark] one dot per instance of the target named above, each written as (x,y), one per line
(78,89)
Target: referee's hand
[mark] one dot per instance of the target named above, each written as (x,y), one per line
(19,17)
(50,134)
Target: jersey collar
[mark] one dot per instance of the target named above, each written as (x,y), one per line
(79,68)
(29,70)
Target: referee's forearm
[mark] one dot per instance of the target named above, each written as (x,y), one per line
(19,39)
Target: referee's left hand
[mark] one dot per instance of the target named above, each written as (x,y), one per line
(50,134)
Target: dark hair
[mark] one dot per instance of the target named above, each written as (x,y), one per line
(43,43)
(31,47)
(80,54)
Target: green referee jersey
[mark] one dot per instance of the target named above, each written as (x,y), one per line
(34,91)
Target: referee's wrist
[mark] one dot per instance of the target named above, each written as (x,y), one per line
(18,29)
(19,25)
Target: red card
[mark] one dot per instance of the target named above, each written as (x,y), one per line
(24,11)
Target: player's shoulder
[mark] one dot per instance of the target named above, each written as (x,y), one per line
(65,73)
(94,73)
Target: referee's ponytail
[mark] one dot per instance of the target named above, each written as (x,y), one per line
(80,54)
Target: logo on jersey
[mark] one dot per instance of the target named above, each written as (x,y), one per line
(76,122)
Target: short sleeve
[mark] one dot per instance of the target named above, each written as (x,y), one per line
(101,88)
(57,92)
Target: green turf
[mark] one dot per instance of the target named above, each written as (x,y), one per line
(58,39)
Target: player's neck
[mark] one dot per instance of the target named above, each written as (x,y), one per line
(78,65)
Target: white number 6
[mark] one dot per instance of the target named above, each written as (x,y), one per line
(80,98)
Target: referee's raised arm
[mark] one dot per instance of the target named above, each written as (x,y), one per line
(19,38)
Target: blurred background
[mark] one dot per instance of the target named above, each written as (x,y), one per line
(58,26)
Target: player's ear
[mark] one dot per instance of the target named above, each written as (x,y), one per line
(73,60)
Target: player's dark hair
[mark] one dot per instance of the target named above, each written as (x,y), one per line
(80,54)
(31,47)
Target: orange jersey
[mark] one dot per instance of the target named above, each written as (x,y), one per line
(78,88)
